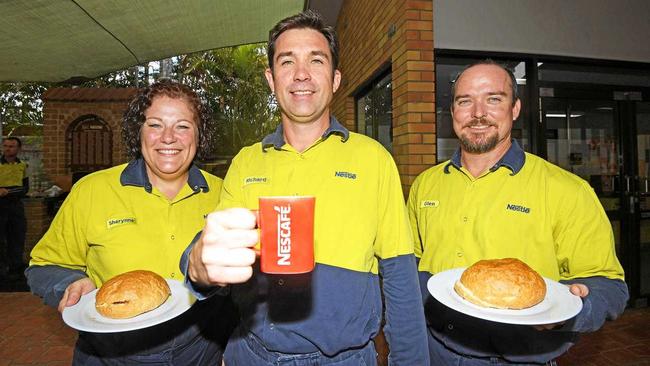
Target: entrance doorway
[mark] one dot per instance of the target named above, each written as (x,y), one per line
(603,136)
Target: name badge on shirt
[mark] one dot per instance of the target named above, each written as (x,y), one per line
(429,204)
(255,180)
(115,222)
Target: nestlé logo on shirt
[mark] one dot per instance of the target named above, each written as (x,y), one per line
(347,175)
(518,208)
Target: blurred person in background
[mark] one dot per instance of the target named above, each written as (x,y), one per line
(14,185)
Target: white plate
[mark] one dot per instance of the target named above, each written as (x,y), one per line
(83,315)
(558,305)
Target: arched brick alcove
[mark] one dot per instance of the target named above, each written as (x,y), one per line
(81,130)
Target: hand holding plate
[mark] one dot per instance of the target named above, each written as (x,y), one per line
(576,289)
(74,291)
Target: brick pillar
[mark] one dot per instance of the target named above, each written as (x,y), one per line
(413,92)
(373,33)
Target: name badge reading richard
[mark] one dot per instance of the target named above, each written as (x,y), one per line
(255,180)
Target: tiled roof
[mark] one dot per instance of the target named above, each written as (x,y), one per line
(25,130)
(89,94)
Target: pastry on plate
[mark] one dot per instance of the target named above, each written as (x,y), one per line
(506,283)
(130,294)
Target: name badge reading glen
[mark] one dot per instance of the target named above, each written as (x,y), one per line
(429,204)
(111,223)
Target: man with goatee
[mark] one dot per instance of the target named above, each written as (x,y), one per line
(493,200)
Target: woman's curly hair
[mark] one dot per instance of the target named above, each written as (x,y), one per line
(134,116)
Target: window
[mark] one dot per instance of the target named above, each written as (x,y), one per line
(374,109)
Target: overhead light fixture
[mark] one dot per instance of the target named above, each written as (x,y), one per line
(562,115)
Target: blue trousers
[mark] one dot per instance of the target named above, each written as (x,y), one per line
(442,356)
(13,227)
(246,350)
(195,338)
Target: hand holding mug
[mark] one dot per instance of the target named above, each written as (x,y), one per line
(224,253)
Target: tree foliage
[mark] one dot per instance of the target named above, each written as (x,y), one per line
(230,80)
(21,104)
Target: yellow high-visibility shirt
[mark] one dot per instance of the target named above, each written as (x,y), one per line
(12,174)
(357,190)
(114,221)
(361,229)
(524,207)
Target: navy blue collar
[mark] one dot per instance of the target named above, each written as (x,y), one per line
(4,161)
(513,159)
(276,139)
(135,174)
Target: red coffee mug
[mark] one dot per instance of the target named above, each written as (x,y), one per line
(286,234)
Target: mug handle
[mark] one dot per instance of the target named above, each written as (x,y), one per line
(258,247)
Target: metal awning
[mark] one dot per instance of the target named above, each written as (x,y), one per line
(58,40)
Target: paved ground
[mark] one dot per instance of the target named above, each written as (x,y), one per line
(624,342)
(33,334)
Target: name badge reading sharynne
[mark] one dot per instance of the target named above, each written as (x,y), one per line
(111,223)
(429,204)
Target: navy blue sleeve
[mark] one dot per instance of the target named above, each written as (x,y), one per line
(606,301)
(25,187)
(405,326)
(50,282)
(199,292)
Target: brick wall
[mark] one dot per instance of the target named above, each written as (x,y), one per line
(372,34)
(38,221)
(63,106)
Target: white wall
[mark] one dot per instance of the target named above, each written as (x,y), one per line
(600,29)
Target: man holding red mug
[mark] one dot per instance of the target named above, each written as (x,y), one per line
(361,231)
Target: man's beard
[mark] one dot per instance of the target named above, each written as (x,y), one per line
(484,144)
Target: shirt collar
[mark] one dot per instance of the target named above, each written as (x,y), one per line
(4,161)
(276,139)
(513,159)
(135,174)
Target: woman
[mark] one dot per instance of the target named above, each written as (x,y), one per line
(139,215)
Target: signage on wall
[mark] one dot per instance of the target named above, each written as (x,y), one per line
(546,92)
(628,95)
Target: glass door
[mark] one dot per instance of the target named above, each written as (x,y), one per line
(582,137)
(607,143)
